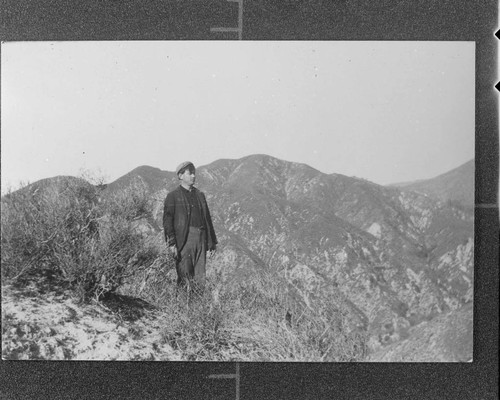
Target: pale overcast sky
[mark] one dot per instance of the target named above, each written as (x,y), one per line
(384,111)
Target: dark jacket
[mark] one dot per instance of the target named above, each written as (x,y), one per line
(176,214)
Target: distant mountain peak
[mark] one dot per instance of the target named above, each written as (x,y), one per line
(146,168)
(455,186)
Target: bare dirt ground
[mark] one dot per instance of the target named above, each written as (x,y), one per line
(41,321)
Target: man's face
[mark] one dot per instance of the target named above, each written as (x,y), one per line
(188,176)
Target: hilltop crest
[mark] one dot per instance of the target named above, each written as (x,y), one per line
(456,186)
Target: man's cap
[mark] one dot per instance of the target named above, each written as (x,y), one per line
(183,166)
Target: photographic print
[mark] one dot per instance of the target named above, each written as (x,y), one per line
(299,201)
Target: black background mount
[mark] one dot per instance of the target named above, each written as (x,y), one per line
(436,20)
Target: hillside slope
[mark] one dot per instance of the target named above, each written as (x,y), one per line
(388,264)
(456,186)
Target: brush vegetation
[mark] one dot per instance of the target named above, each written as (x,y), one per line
(90,242)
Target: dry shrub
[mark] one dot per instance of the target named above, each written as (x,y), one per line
(48,226)
(64,226)
(150,275)
(130,203)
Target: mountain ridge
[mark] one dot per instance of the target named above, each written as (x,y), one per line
(456,185)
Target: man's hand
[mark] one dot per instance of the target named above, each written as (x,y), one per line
(173,251)
(211,252)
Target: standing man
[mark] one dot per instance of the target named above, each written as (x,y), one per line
(188,227)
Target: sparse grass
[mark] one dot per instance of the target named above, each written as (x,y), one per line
(248,322)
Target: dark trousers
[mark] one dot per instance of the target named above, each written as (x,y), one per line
(191,264)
